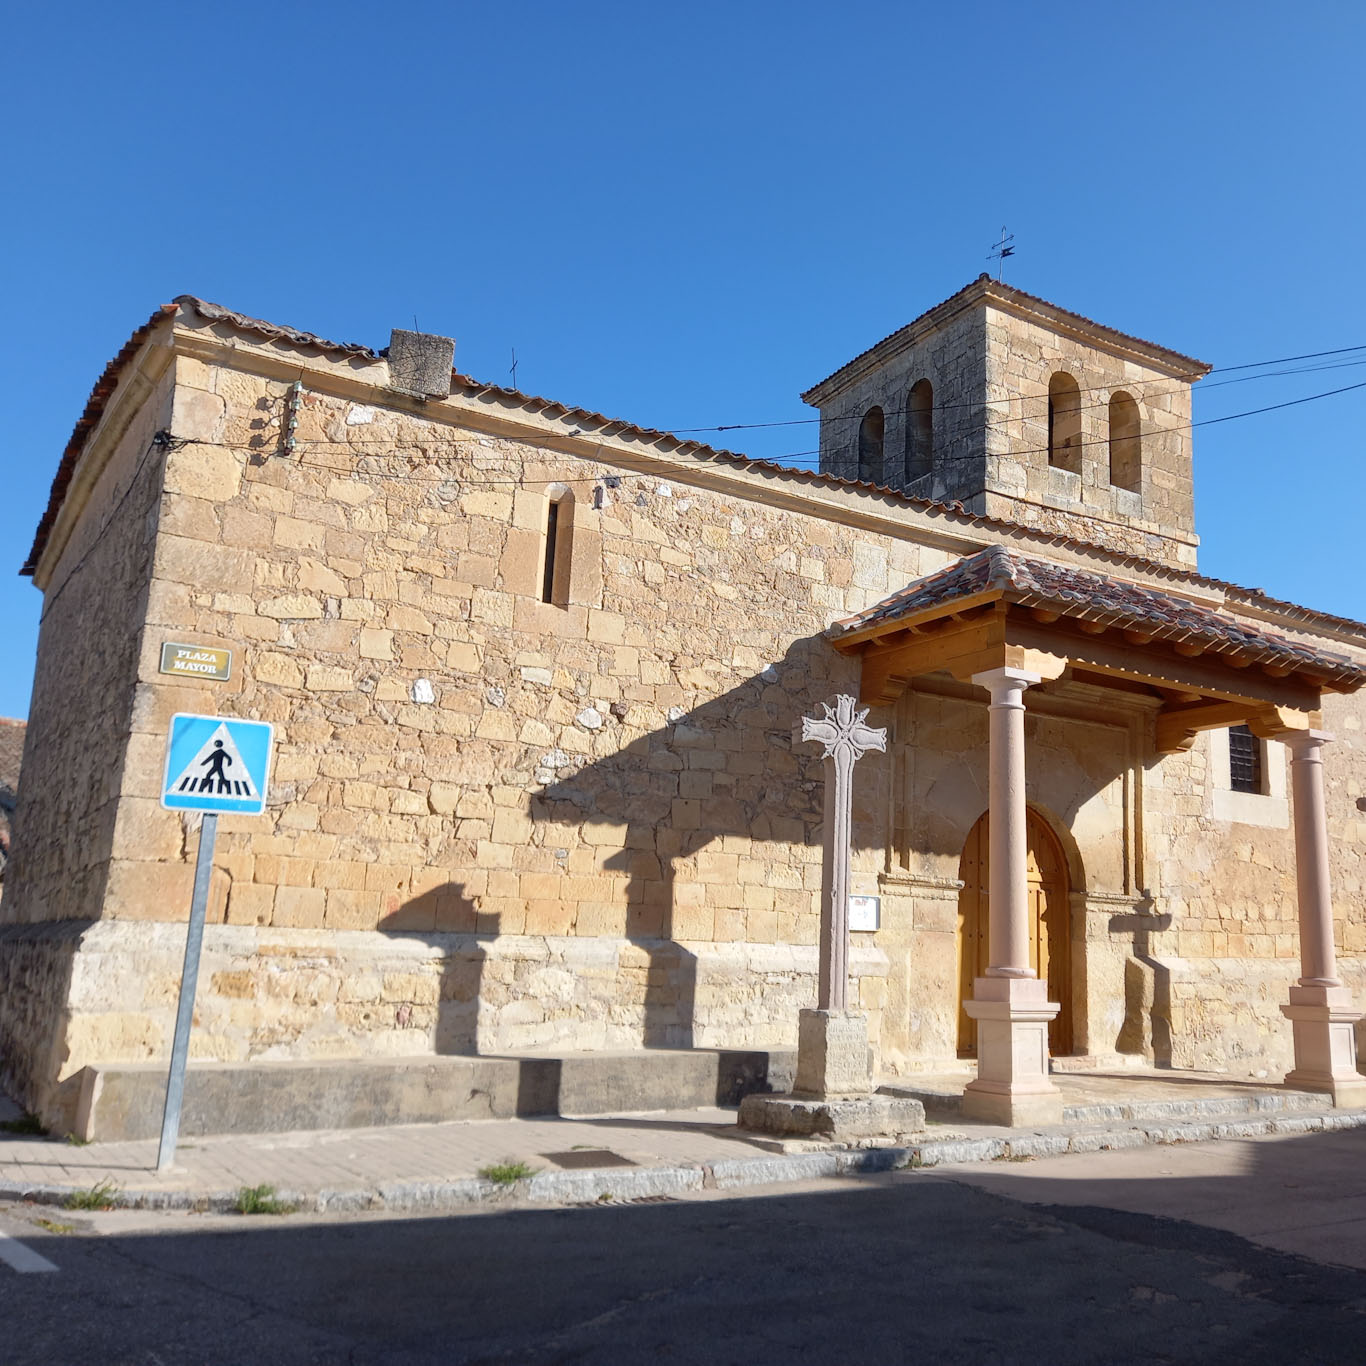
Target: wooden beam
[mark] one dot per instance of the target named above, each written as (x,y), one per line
(887,669)
(1207,677)
(1278,720)
(995,636)
(1177,726)
(988,601)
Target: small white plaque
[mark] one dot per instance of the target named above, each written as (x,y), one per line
(865,912)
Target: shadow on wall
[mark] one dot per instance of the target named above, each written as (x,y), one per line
(732,767)
(1147,991)
(664,804)
(455,1027)
(729,767)
(36,963)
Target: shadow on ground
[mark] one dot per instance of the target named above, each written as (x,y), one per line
(908,1268)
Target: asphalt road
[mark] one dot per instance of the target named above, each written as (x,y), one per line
(912,1267)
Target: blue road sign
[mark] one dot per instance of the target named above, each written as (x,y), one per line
(216,763)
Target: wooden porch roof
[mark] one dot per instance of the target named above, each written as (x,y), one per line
(998,607)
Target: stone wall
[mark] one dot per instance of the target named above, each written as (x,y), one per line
(268,994)
(601,803)
(500,823)
(991,370)
(94,602)
(1158,520)
(69,801)
(953,358)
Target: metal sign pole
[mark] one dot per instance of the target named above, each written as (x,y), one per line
(189,978)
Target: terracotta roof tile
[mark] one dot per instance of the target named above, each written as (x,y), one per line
(600,424)
(272,331)
(1086,596)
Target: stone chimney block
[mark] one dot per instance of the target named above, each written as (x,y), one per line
(420,363)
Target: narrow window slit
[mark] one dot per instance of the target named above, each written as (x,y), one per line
(551,535)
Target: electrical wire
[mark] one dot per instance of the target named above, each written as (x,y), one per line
(161,441)
(521,482)
(1145,396)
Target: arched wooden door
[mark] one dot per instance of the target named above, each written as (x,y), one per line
(1050,928)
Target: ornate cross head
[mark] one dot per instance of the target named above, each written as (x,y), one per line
(842,728)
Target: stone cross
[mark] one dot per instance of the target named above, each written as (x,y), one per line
(846,739)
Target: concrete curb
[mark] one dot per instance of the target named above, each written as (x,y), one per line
(612,1185)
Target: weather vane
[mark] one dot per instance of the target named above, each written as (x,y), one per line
(1000,250)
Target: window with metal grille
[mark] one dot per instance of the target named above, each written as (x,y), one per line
(1244,760)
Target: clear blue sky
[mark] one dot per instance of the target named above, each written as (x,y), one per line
(685,215)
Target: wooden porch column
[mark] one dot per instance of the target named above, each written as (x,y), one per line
(1320,1010)
(1010,1004)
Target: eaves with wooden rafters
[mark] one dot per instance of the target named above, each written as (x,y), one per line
(999,608)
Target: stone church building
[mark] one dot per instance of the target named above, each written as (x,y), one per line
(537,679)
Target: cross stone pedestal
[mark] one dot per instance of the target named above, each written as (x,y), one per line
(855,1119)
(833,1096)
(1012,1085)
(832,1055)
(1323,1019)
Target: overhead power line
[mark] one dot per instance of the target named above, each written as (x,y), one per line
(465,478)
(1146,395)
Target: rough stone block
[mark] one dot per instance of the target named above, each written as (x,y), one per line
(848,1120)
(291,607)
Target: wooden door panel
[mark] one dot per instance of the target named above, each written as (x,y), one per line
(1050,939)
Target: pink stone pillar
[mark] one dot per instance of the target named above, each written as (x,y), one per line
(1318,958)
(1320,1011)
(1008,891)
(1010,1004)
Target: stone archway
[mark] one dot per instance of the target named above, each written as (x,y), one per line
(1050,927)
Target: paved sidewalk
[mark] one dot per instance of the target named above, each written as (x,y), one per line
(623,1157)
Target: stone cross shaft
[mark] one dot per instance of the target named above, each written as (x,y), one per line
(846,739)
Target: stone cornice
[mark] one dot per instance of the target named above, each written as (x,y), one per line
(363,377)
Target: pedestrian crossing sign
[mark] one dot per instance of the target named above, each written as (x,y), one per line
(216,763)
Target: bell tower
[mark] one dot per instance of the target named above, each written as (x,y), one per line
(1022,410)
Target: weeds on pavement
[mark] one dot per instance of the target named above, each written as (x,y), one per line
(99,1196)
(506,1173)
(261,1200)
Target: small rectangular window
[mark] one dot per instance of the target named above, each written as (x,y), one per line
(1244,760)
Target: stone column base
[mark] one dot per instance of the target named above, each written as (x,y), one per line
(1012,1085)
(832,1098)
(1325,1044)
(832,1055)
